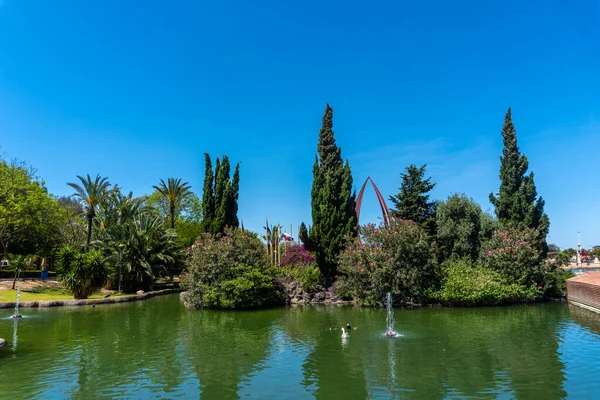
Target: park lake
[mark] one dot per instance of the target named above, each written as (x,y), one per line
(160,349)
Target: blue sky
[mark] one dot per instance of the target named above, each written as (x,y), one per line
(139,92)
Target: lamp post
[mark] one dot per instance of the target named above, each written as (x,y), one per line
(121,246)
(579,249)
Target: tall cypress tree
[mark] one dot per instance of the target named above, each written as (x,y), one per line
(221,192)
(412,202)
(333,202)
(232,198)
(220,197)
(517,202)
(208,199)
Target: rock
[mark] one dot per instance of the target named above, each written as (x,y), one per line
(2,342)
(139,292)
(319,297)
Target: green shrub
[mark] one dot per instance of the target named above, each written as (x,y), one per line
(230,272)
(555,282)
(397,258)
(467,284)
(308,275)
(82,273)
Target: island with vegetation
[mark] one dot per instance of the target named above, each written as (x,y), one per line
(442,252)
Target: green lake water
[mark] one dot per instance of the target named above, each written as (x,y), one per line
(159,349)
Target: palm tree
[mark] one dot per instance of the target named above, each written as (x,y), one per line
(90,193)
(174,192)
(150,252)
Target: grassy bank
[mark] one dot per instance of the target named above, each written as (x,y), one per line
(46,294)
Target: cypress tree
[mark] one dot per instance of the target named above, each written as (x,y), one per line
(517,203)
(220,197)
(208,200)
(332,201)
(221,192)
(412,202)
(232,198)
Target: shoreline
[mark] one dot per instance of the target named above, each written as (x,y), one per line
(88,302)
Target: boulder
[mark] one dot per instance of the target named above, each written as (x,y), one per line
(2,342)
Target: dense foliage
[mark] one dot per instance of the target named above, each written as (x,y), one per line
(513,253)
(461,228)
(83,274)
(139,247)
(298,265)
(466,283)
(412,201)
(397,258)
(30,218)
(229,271)
(517,203)
(333,201)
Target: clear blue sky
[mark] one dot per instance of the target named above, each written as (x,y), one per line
(138,91)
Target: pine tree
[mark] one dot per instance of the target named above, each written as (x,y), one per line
(412,202)
(517,203)
(333,202)
(208,199)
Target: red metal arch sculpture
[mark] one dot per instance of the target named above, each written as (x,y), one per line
(384,208)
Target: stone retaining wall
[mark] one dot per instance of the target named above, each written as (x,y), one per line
(87,302)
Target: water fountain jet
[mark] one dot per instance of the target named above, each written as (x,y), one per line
(389,319)
(16,314)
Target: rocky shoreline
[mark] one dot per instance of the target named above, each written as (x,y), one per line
(318,295)
(296,295)
(88,302)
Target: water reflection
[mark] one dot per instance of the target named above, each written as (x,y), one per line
(15,337)
(159,349)
(587,319)
(225,347)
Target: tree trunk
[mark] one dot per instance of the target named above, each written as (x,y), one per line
(89,232)
(17,273)
(172,209)
(4,248)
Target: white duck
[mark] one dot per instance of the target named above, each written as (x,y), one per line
(345,335)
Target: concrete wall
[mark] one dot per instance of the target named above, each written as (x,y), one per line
(585,293)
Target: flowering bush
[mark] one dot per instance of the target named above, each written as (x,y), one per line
(396,258)
(230,271)
(296,255)
(516,255)
(585,257)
